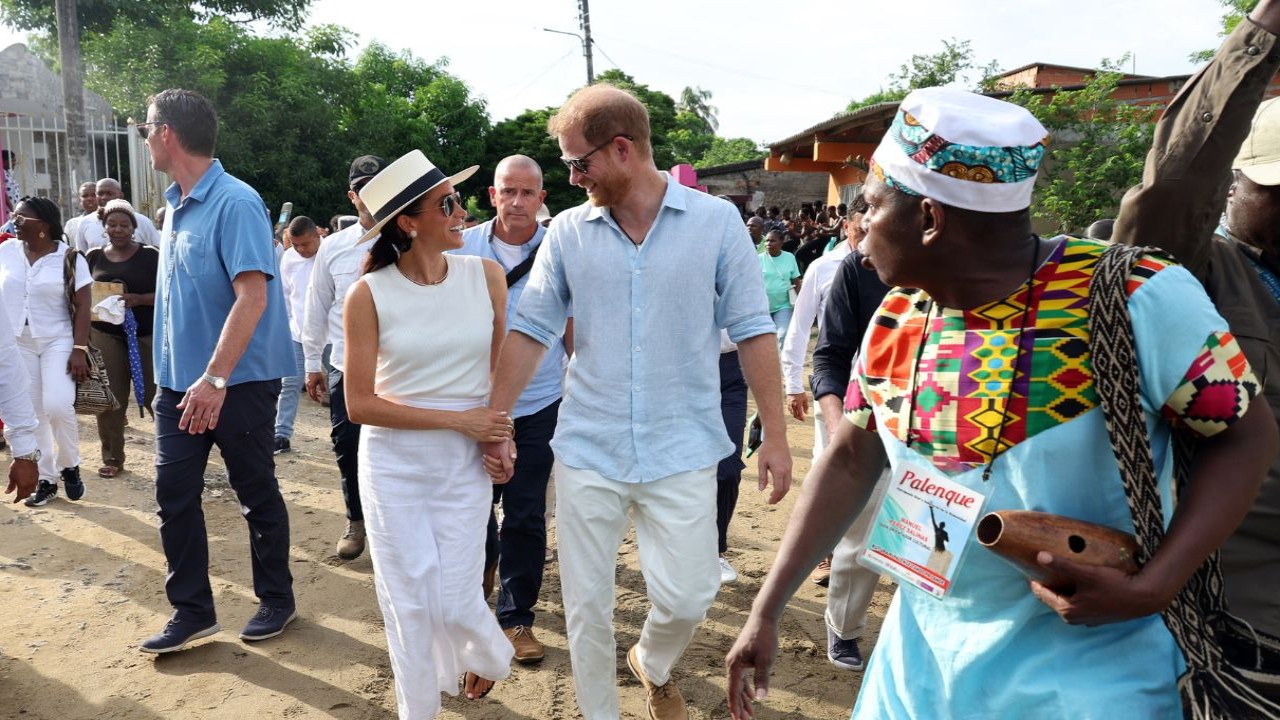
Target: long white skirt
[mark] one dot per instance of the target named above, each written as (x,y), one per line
(426,503)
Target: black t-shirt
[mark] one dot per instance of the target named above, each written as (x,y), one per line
(138,274)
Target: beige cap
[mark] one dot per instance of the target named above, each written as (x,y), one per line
(1259,157)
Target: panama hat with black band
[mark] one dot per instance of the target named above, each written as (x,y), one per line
(400,184)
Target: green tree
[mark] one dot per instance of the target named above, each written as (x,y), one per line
(405,102)
(1098,149)
(101,16)
(724,151)
(697,102)
(293,111)
(954,63)
(689,140)
(526,134)
(662,114)
(1236,10)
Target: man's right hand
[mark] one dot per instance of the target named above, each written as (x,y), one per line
(315,383)
(23,475)
(798,404)
(748,664)
(499,460)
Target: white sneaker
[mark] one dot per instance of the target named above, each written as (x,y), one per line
(727,574)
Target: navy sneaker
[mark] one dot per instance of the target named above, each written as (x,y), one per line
(75,486)
(177,633)
(843,654)
(268,622)
(45,492)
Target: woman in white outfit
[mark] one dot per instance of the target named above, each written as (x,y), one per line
(423,332)
(52,336)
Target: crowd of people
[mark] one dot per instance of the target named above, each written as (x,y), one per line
(467,363)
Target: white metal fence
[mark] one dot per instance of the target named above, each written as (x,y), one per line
(40,160)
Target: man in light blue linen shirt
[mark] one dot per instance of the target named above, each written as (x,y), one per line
(652,271)
(512,239)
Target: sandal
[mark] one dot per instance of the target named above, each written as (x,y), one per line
(472,679)
(108,471)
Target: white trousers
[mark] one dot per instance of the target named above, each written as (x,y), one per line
(851,586)
(426,507)
(675,520)
(53,396)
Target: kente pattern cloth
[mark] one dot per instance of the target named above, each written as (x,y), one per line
(963,380)
(935,658)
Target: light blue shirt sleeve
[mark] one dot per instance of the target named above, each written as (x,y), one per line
(741,305)
(545,304)
(245,244)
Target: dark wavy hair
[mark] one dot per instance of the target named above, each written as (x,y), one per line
(46,210)
(393,242)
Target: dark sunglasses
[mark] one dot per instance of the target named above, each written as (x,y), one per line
(580,163)
(143,128)
(451,203)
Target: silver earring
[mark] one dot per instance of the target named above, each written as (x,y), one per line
(413,233)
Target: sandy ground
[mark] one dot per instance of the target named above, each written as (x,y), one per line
(82,584)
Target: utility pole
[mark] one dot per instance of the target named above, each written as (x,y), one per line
(72,94)
(584,21)
(584,24)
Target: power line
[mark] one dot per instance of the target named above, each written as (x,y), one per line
(734,71)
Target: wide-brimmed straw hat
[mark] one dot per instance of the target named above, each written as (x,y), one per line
(400,184)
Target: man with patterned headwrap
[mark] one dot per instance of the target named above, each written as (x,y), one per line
(976,373)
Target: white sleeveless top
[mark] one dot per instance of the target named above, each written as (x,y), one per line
(433,340)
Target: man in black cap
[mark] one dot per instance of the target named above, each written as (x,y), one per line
(337,265)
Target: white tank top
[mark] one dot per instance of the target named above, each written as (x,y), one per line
(433,340)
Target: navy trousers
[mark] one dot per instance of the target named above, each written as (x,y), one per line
(733,407)
(346,446)
(245,439)
(520,548)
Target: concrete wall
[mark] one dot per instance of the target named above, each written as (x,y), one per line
(784,189)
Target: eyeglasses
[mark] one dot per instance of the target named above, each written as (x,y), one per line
(580,163)
(18,220)
(451,203)
(143,132)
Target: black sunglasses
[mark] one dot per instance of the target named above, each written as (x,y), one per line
(580,163)
(451,203)
(143,130)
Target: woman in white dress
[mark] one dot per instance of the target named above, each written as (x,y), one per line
(423,332)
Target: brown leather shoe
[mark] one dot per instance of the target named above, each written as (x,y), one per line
(821,575)
(351,545)
(662,702)
(528,649)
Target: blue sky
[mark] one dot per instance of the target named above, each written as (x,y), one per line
(773,68)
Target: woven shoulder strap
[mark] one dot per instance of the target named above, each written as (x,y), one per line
(1211,687)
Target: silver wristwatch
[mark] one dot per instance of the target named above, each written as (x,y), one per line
(218,383)
(33,456)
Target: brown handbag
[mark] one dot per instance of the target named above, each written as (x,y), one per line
(93,394)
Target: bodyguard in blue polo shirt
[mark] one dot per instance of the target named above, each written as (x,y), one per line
(512,239)
(222,344)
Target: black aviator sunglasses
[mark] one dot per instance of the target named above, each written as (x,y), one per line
(581,164)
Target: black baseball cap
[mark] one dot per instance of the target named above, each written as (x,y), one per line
(363,168)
